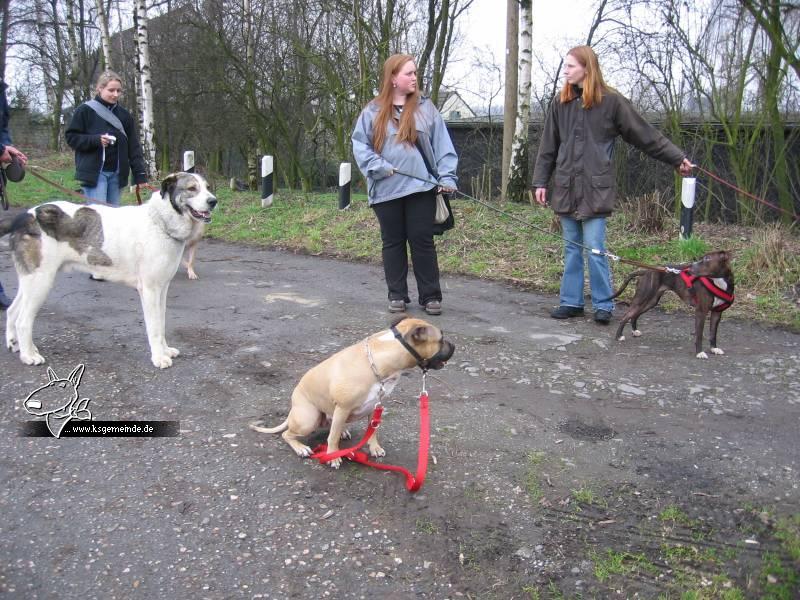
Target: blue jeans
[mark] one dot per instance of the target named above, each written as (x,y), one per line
(106,190)
(591,233)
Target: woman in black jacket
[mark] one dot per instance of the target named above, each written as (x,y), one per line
(107,149)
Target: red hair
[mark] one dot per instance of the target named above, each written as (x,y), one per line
(594,86)
(407,130)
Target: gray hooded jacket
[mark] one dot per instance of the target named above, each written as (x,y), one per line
(432,137)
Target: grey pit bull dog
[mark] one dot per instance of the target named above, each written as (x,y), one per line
(706,284)
(349,384)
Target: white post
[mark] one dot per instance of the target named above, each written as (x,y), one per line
(344,186)
(188,161)
(688,186)
(266,181)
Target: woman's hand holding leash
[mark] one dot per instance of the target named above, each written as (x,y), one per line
(685,168)
(10,152)
(445,190)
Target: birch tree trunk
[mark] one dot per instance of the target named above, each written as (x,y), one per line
(74,56)
(519,171)
(105,38)
(146,107)
(510,103)
(54,78)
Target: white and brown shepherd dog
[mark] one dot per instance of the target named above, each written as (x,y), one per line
(140,246)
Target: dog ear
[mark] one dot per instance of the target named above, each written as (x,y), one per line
(168,185)
(422,333)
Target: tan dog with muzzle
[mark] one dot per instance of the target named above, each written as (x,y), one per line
(353,381)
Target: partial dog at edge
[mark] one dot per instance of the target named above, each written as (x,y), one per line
(140,246)
(349,384)
(714,295)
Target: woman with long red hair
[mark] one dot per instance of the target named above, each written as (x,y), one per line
(577,148)
(401,133)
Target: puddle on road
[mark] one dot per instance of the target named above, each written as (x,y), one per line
(554,339)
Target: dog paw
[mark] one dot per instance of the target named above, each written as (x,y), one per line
(702,355)
(161,362)
(34,358)
(717,351)
(171,352)
(192,275)
(637,333)
(346,434)
(376,451)
(303,451)
(335,463)
(621,338)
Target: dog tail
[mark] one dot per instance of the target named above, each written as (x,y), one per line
(259,426)
(625,283)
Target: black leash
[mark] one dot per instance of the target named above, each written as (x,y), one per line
(609,255)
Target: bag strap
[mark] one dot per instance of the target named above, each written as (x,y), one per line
(425,160)
(107,116)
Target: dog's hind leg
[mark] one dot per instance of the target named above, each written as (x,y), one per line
(33,290)
(302,421)
(191,249)
(714,324)
(634,312)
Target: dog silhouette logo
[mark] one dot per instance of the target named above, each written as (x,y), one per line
(57,401)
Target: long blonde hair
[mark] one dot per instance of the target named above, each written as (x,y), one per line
(407,130)
(594,86)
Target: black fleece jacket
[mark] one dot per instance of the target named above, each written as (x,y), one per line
(83,136)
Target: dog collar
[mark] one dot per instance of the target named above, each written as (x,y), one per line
(372,364)
(422,363)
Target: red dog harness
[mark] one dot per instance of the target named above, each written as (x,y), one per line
(722,298)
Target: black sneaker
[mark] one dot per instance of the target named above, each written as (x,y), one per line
(603,317)
(566,312)
(5,301)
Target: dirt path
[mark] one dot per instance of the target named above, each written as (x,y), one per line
(564,464)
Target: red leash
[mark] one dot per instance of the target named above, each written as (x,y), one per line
(748,194)
(413,482)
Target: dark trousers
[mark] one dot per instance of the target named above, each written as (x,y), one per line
(409,220)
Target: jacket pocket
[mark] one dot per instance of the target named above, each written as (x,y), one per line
(561,201)
(603,193)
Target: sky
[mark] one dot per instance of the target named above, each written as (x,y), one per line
(557,26)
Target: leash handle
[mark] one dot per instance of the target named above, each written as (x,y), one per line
(413,481)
